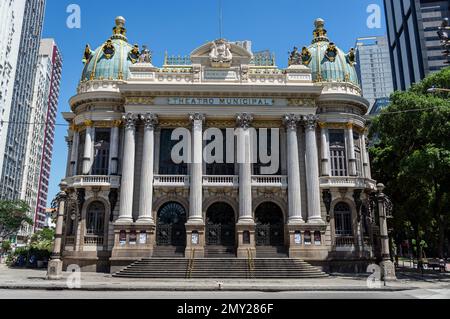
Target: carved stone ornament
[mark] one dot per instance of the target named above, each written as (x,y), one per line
(244,120)
(220,55)
(291,121)
(310,121)
(130,120)
(150,120)
(145,55)
(197,118)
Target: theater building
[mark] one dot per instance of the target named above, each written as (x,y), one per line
(127,198)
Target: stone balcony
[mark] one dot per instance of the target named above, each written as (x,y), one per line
(90,181)
(220,181)
(271,181)
(171,181)
(347,182)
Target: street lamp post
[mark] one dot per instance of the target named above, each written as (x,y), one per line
(55,264)
(384,211)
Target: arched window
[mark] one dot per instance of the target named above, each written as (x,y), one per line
(338,153)
(343,220)
(95,219)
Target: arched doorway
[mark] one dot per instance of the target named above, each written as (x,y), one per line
(220,225)
(269,225)
(170,228)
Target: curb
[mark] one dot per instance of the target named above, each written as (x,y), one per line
(229,289)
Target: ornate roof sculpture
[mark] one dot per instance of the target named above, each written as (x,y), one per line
(327,62)
(111,61)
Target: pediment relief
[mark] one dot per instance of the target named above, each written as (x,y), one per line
(221,54)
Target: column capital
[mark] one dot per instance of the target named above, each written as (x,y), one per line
(310,121)
(130,120)
(291,121)
(197,117)
(88,123)
(150,120)
(349,125)
(244,120)
(116,123)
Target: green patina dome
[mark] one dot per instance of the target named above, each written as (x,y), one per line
(327,62)
(110,61)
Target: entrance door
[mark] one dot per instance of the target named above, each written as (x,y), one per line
(269,225)
(220,225)
(170,229)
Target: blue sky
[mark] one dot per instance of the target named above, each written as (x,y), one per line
(180,26)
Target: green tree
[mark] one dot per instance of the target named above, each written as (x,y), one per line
(412,156)
(43,240)
(13,215)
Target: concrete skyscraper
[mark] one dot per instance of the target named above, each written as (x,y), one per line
(374,68)
(21,49)
(413,41)
(42,130)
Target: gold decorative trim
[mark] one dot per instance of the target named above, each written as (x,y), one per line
(268,124)
(349,125)
(302,102)
(174,123)
(88,123)
(140,100)
(117,123)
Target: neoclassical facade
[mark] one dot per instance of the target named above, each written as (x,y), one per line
(129,199)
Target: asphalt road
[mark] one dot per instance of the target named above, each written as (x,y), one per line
(73,294)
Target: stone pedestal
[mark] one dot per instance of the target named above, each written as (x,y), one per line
(245,240)
(388,270)
(195,240)
(295,248)
(55,269)
(126,250)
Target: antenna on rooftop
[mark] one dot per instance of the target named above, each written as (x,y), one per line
(220,19)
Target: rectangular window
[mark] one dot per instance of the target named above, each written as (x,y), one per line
(166,165)
(101,152)
(357,141)
(338,153)
(82,138)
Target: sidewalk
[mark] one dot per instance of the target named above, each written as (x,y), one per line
(35,279)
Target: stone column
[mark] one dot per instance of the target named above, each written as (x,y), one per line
(245,168)
(351,150)
(74,153)
(88,147)
(146,188)
(294,193)
(387,265)
(365,156)
(55,265)
(127,182)
(114,150)
(196,187)
(69,142)
(325,150)
(312,170)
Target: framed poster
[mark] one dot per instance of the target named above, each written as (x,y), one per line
(133,237)
(298,238)
(317,238)
(307,237)
(143,238)
(122,238)
(195,238)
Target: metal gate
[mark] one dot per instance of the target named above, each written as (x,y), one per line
(220,235)
(269,235)
(170,235)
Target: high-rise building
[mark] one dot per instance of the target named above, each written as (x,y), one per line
(42,131)
(16,111)
(374,68)
(413,41)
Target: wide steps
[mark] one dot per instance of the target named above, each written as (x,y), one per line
(231,268)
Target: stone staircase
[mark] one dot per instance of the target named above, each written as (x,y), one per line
(219,252)
(221,268)
(271,252)
(169,252)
